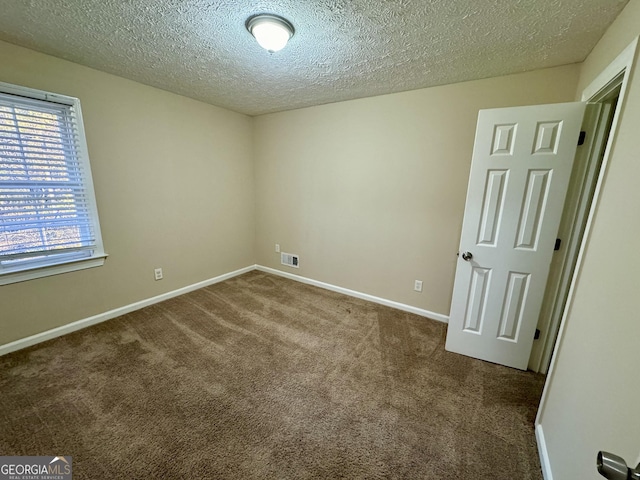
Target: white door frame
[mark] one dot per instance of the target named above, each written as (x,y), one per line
(596,125)
(592,93)
(623,64)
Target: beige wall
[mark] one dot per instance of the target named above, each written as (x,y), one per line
(594,388)
(370,193)
(174,186)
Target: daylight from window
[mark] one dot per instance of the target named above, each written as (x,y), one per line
(42,202)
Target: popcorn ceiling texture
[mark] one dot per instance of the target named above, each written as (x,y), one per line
(342,49)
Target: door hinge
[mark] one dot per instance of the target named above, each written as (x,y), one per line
(537,334)
(557,245)
(582,137)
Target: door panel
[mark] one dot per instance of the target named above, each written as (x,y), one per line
(512,310)
(493,206)
(532,216)
(480,278)
(520,170)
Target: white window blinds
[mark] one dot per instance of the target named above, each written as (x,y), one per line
(47,209)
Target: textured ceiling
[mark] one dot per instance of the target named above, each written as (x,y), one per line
(342,49)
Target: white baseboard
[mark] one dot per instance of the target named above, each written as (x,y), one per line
(544,456)
(352,293)
(87,322)
(102,317)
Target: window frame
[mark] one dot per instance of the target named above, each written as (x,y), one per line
(36,269)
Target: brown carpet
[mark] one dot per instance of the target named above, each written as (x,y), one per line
(261,377)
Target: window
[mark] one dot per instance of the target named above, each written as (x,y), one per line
(48,215)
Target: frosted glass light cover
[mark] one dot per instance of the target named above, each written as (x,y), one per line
(270,32)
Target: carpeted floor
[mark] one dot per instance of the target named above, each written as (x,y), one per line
(260,377)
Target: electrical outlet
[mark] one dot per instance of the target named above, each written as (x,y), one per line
(158,273)
(277,248)
(418,286)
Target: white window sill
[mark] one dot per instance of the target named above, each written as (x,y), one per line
(39,272)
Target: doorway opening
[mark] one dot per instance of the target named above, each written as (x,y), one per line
(597,127)
(607,92)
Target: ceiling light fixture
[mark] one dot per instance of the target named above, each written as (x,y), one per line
(270,31)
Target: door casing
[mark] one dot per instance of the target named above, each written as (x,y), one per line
(613,78)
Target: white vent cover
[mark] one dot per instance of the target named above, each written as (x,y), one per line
(289,259)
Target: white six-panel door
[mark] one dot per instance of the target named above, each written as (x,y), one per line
(522,161)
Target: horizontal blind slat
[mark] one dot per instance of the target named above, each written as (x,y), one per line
(23,135)
(54,250)
(35,245)
(36,161)
(46,185)
(47,224)
(39,116)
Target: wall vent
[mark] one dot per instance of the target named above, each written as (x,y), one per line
(290,260)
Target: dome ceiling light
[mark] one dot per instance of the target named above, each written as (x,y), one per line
(270,31)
